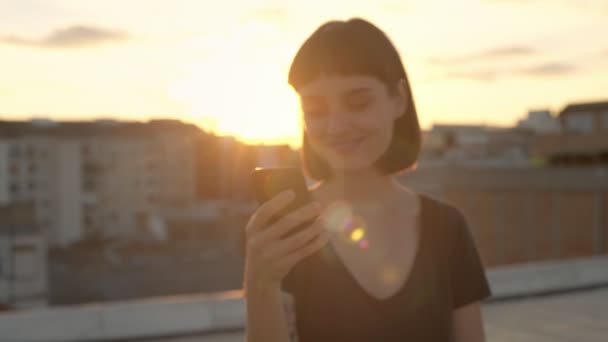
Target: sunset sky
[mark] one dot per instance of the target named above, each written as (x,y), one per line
(223,64)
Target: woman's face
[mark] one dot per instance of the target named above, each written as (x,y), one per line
(349,119)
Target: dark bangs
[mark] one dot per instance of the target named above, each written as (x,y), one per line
(354,47)
(357,47)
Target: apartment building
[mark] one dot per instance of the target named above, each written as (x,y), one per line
(475,145)
(583,136)
(47,172)
(23,261)
(96,178)
(132,175)
(540,121)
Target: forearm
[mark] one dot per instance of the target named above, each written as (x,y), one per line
(266,316)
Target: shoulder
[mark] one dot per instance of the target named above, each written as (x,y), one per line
(444,221)
(446,212)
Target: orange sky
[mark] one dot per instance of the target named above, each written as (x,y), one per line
(223,65)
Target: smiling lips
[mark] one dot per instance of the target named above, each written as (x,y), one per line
(346,146)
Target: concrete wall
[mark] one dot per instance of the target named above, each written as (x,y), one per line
(525,215)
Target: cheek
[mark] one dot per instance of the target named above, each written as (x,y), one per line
(314,135)
(380,125)
(312,126)
(381,130)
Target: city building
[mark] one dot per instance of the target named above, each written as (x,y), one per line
(134,173)
(540,122)
(96,178)
(47,172)
(583,137)
(475,145)
(23,258)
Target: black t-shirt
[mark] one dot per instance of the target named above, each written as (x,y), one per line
(447,273)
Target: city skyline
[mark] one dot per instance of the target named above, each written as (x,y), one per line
(474,61)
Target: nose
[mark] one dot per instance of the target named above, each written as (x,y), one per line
(337,123)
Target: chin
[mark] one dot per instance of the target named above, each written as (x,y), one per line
(362,158)
(350,163)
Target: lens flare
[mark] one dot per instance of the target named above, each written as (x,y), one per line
(357,234)
(336,216)
(339,218)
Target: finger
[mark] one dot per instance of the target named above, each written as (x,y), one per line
(285,264)
(268,209)
(294,242)
(290,221)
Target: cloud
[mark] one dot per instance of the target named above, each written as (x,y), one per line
(71,37)
(488,75)
(549,69)
(492,54)
(272,14)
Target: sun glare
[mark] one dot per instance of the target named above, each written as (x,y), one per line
(241,93)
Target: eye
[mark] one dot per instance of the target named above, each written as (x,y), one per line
(359,104)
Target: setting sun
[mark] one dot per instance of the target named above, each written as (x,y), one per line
(225,68)
(241,91)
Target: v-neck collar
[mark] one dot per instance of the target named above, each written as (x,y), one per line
(414,269)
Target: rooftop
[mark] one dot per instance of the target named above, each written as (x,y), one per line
(575,316)
(522,309)
(93,128)
(585,107)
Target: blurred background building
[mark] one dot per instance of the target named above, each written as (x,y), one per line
(23,259)
(111,211)
(582,138)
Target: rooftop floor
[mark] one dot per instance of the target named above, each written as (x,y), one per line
(575,316)
(578,316)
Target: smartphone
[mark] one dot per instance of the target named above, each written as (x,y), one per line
(269,182)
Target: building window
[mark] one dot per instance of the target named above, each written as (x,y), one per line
(14,188)
(25,261)
(45,224)
(579,123)
(15,151)
(30,152)
(89,185)
(88,220)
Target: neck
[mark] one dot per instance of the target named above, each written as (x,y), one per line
(360,188)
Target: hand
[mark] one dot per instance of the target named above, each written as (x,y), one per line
(269,258)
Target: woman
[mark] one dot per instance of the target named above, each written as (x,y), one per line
(382,262)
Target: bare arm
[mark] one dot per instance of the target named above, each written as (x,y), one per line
(468,324)
(270,316)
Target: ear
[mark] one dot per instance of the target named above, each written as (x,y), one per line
(401,100)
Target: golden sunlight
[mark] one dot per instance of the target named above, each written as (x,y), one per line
(357,234)
(242,91)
